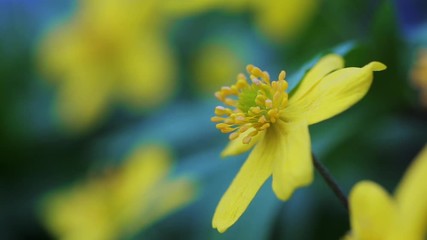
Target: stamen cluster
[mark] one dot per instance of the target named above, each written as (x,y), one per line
(253,106)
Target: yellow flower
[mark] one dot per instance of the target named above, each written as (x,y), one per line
(122,203)
(209,75)
(261,114)
(194,7)
(375,215)
(109,51)
(283,20)
(278,20)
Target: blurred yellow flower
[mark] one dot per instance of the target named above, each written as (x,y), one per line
(208,74)
(278,20)
(419,75)
(106,52)
(120,204)
(261,115)
(283,20)
(375,215)
(194,7)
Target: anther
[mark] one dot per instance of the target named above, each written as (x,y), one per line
(268,103)
(227,130)
(276,98)
(220,110)
(240,119)
(273,114)
(254,105)
(262,119)
(244,128)
(222,125)
(282,75)
(255,110)
(226,90)
(256,72)
(253,133)
(260,100)
(266,77)
(234,135)
(230,102)
(255,80)
(217,119)
(249,68)
(219,96)
(247,139)
(265,126)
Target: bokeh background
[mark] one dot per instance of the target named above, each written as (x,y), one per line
(89,88)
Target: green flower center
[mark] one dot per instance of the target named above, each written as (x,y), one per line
(255,106)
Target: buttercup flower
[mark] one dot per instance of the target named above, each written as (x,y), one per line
(262,115)
(209,75)
(122,203)
(278,20)
(283,20)
(108,52)
(375,215)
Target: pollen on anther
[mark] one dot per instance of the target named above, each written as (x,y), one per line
(220,111)
(251,105)
(219,96)
(247,139)
(217,119)
(256,72)
(255,110)
(282,75)
(234,135)
(249,68)
(268,103)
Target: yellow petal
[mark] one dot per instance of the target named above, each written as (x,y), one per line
(159,203)
(283,20)
(325,65)
(148,72)
(236,146)
(83,99)
(411,196)
(254,172)
(335,93)
(293,168)
(373,212)
(81,212)
(144,167)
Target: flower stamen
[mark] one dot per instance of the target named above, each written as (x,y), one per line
(253,105)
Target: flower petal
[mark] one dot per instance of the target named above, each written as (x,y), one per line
(373,211)
(236,146)
(83,99)
(335,93)
(325,65)
(411,195)
(254,172)
(159,202)
(293,166)
(153,84)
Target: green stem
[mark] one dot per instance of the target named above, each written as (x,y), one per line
(330,181)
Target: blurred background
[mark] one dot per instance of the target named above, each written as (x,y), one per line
(105,128)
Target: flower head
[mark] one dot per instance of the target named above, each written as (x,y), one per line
(262,114)
(255,106)
(122,202)
(375,215)
(107,52)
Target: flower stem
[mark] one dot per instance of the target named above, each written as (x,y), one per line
(330,181)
